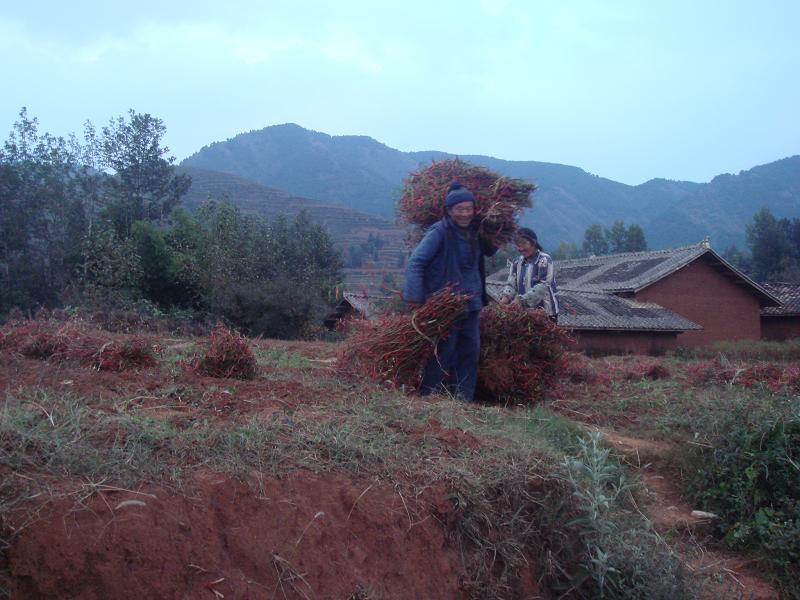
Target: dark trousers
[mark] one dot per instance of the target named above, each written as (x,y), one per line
(455,366)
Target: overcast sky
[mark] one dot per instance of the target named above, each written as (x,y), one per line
(628,90)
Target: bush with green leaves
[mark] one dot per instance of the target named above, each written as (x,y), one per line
(618,554)
(749,475)
(275,279)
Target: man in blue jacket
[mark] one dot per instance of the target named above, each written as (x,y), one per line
(451,252)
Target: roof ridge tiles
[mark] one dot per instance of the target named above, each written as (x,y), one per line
(603,257)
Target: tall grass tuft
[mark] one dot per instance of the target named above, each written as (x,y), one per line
(620,556)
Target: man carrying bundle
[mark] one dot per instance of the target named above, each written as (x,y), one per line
(452,253)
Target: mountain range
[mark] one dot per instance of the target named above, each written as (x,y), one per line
(365,176)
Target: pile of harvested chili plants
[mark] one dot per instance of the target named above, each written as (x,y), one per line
(396,347)
(521,354)
(228,355)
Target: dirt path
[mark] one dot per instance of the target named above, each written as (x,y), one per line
(729,575)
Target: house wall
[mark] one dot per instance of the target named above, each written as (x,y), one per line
(780,328)
(598,343)
(699,292)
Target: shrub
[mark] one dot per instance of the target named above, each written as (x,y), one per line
(749,476)
(228,355)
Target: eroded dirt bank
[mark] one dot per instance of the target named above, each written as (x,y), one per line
(309,535)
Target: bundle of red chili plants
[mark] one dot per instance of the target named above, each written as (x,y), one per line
(395,347)
(775,377)
(100,352)
(521,354)
(499,200)
(73,340)
(228,355)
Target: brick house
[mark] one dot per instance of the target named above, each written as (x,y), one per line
(654,301)
(782,322)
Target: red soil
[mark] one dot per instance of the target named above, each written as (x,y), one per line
(306,536)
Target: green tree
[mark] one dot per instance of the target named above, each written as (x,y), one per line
(143,185)
(594,241)
(770,246)
(275,279)
(111,269)
(355,256)
(791,228)
(634,239)
(59,196)
(42,215)
(737,258)
(160,267)
(566,251)
(617,237)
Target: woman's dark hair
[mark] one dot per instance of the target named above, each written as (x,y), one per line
(529,234)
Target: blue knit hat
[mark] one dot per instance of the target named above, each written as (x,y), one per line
(457,195)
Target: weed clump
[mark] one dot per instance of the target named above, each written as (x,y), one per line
(573,519)
(618,555)
(228,355)
(521,353)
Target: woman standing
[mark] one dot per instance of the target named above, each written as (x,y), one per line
(531,277)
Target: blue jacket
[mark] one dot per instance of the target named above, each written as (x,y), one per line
(435,262)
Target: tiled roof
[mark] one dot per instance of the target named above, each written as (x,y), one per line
(788,294)
(598,310)
(633,271)
(366,305)
(629,271)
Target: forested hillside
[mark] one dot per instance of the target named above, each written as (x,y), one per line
(371,246)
